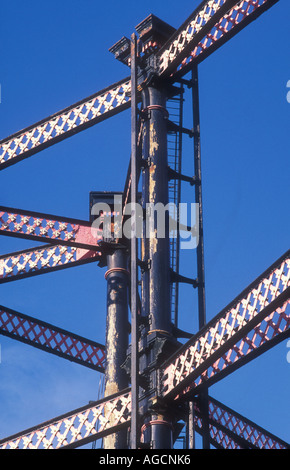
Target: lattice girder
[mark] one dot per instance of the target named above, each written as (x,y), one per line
(232,22)
(49,228)
(41,260)
(230,430)
(211,350)
(192,31)
(65,123)
(52,339)
(76,428)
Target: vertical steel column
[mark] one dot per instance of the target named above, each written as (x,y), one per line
(190,428)
(117,334)
(200,246)
(158,429)
(159,275)
(134,435)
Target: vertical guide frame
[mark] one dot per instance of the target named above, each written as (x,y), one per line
(200,245)
(134,251)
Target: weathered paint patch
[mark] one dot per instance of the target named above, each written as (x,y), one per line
(154,145)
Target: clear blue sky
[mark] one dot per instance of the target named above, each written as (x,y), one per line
(56,53)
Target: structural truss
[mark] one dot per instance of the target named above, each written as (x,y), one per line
(255,321)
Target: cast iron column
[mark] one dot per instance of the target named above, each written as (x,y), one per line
(116,379)
(157,429)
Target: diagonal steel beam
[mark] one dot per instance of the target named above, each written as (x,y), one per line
(65,123)
(49,228)
(228,429)
(208,28)
(271,331)
(195,48)
(52,339)
(197,25)
(76,428)
(196,361)
(41,260)
(231,430)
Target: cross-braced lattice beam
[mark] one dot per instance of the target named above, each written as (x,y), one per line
(41,260)
(48,228)
(76,428)
(230,430)
(52,339)
(177,55)
(199,23)
(231,334)
(65,123)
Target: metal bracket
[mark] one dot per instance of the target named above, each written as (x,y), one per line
(175,175)
(144,265)
(176,277)
(176,128)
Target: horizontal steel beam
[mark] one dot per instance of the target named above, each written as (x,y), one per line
(49,228)
(65,123)
(196,361)
(52,339)
(41,260)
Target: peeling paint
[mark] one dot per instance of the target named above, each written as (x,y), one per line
(154,145)
(152,183)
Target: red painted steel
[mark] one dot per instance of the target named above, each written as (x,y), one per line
(198,358)
(235,19)
(242,427)
(206,15)
(45,259)
(116,98)
(45,227)
(255,321)
(65,123)
(76,428)
(228,429)
(51,339)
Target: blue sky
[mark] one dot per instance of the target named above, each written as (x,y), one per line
(53,55)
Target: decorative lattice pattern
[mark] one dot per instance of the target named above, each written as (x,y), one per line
(36,226)
(230,430)
(65,123)
(221,334)
(40,260)
(230,23)
(51,339)
(255,436)
(185,35)
(271,330)
(76,428)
